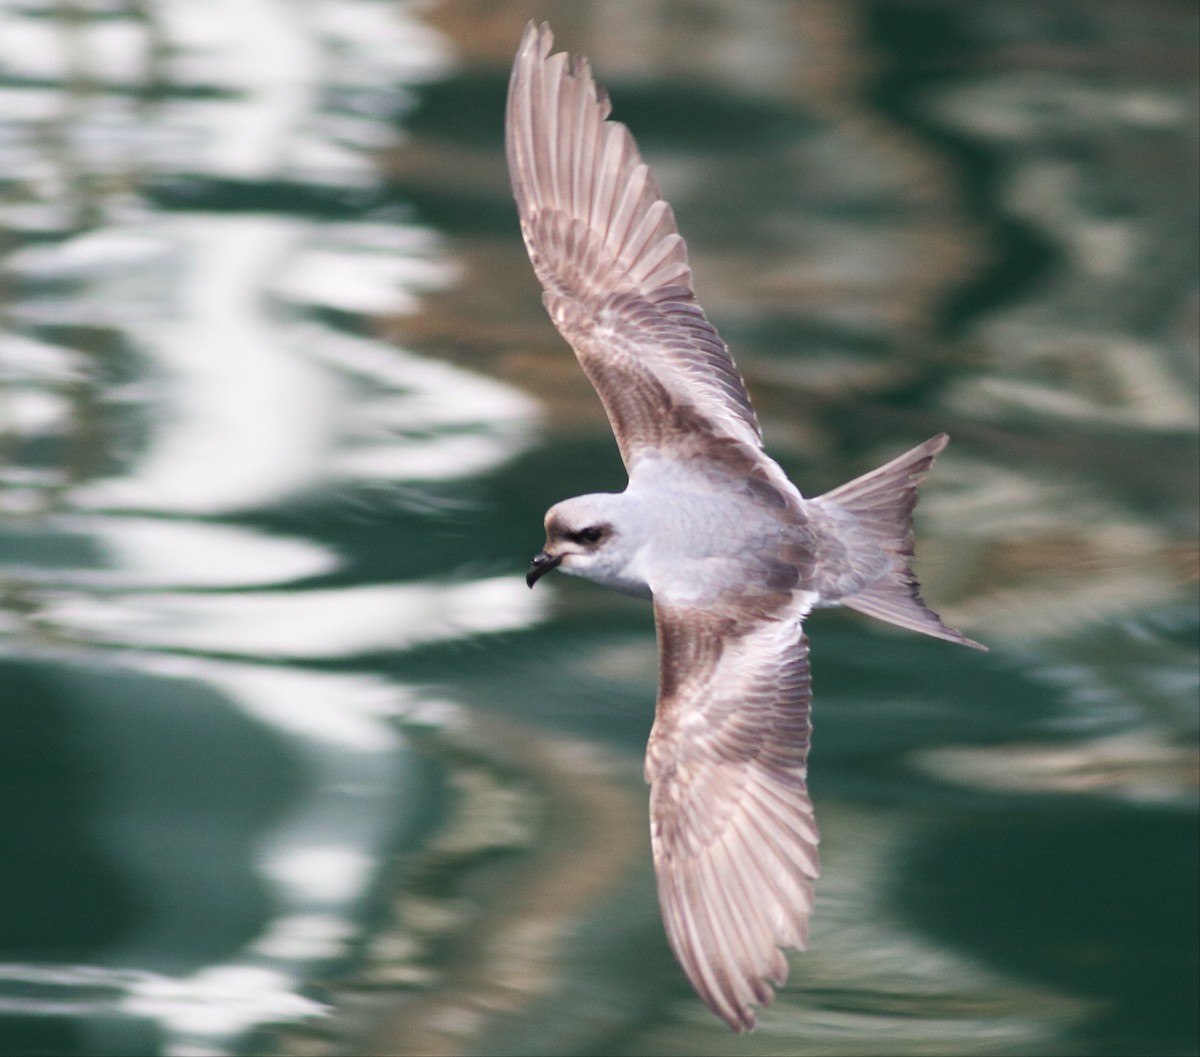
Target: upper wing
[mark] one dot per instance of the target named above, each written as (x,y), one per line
(611,261)
(735,843)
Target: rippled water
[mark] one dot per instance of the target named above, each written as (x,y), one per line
(292,760)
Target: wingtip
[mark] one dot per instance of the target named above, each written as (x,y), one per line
(740,1018)
(949,634)
(537,38)
(745,1024)
(535,30)
(537,43)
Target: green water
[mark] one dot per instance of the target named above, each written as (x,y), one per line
(293,762)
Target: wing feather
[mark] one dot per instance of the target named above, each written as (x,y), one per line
(735,843)
(612,264)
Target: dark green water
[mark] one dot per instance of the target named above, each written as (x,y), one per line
(292,762)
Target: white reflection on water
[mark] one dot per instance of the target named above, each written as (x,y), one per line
(361,267)
(221,1001)
(331,872)
(250,407)
(318,860)
(332,622)
(260,996)
(417,419)
(168,369)
(154,552)
(266,71)
(248,397)
(321,710)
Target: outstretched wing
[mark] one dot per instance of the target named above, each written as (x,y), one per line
(612,263)
(735,843)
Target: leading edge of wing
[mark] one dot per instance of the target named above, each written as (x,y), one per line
(612,264)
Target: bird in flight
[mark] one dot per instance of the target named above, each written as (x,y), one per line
(709,527)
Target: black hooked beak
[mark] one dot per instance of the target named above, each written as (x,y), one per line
(542,564)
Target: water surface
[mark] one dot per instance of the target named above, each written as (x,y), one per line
(293,761)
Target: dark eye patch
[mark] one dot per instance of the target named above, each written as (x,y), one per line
(587,535)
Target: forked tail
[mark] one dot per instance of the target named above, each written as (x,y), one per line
(881,503)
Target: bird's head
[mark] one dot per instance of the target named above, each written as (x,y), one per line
(587,536)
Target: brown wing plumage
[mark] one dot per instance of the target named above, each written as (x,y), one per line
(612,263)
(735,843)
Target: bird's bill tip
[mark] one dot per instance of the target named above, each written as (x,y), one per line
(542,564)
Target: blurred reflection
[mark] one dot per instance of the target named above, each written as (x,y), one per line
(126,551)
(194,250)
(337,622)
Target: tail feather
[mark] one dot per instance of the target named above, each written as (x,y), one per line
(881,503)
